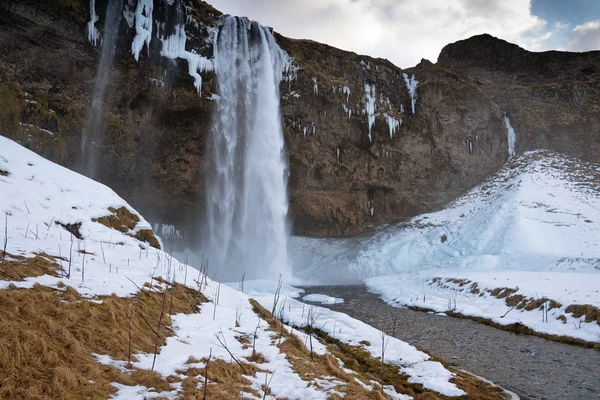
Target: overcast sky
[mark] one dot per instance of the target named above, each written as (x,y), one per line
(404,31)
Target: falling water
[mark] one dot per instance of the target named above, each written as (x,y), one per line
(93,131)
(247,200)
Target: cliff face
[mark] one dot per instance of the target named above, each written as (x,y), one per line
(553,98)
(345,177)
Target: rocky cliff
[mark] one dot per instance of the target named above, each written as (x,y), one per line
(359,156)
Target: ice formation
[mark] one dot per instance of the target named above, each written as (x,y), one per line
(247,200)
(369,109)
(347,110)
(411,85)
(346,91)
(167,231)
(393,124)
(93,34)
(143,27)
(512,137)
(315,85)
(174,47)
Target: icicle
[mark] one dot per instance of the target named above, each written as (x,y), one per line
(143,27)
(512,136)
(370,107)
(411,85)
(393,124)
(315,85)
(93,34)
(174,47)
(346,91)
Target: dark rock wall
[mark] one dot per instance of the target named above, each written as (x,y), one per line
(341,183)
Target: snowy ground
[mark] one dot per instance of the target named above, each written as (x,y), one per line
(534,226)
(36,194)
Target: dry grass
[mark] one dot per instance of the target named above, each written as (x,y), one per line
(591,313)
(47,337)
(226,381)
(124,221)
(19,267)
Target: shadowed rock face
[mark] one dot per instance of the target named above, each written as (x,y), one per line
(341,183)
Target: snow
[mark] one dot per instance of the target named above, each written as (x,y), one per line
(143,27)
(512,137)
(93,34)
(174,47)
(322,299)
(36,193)
(369,109)
(532,227)
(411,85)
(351,331)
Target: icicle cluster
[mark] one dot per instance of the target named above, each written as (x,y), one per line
(411,85)
(512,136)
(143,27)
(174,47)
(369,109)
(93,34)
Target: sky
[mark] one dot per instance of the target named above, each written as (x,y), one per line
(405,31)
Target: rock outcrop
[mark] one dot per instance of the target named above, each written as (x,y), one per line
(359,157)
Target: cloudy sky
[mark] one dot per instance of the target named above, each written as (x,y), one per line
(404,31)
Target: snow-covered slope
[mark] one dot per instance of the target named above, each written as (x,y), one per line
(36,195)
(534,226)
(540,212)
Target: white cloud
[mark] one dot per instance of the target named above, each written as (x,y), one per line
(403,31)
(585,37)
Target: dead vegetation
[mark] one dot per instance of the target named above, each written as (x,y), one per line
(125,221)
(17,268)
(47,338)
(227,380)
(591,313)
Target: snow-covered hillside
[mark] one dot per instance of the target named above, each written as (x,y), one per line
(533,228)
(56,214)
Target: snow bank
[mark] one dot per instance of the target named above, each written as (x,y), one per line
(322,299)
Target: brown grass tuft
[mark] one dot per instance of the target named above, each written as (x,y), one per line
(47,338)
(590,312)
(124,221)
(20,267)
(226,381)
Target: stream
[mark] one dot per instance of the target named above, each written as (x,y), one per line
(531,367)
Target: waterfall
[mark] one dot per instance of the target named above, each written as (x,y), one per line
(246,196)
(93,131)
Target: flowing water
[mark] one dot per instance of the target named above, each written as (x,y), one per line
(93,130)
(531,367)
(247,200)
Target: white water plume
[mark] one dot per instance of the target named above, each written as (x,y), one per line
(247,201)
